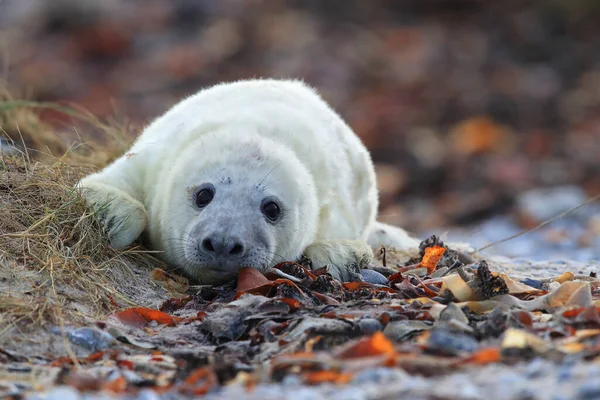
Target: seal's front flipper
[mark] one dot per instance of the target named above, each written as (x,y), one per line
(344,257)
(122,217)
(392,238)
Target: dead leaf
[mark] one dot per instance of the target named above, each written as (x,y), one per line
(432,257)
(116,385)
(565,277)
(459,288)
(481,135)
(516,287)
(484,356)
(139,317)
(318,377)
(250,278)
(199,382)
(375,345)
(520,339)
(174,284)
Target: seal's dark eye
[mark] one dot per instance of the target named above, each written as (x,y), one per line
(271,210)
(204,196)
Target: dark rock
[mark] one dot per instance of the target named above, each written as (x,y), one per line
(448,342)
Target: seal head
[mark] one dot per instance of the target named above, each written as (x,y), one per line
(254,209)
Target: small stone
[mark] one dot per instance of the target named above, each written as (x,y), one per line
(91,338)
(451,342)
(369,326)
(534,283)
(373,277)
(6,147)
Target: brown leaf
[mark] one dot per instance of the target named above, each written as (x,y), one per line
(325,299)
(250,278)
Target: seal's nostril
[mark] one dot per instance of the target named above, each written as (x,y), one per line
(237,249)
(207,245)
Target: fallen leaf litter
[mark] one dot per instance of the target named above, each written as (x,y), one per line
(433,316)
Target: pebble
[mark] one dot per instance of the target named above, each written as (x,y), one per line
(89,338)
(6,147)
(368,326)
(451,342)
(373,277)
(534,283)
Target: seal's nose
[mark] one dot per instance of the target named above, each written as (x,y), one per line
(223,246)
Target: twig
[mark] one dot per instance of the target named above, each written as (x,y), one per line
(535,228)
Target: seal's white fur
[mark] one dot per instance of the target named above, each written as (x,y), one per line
(312,159)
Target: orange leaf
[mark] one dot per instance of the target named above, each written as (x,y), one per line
(485,356)
(375,345)
(62,361)
(95,357)
(199,382)
(432,257)
(293,303)
(315,378)
(480,135)
(140,316)
(296,355)
(356,285)
(250,278)
(126,364)
(572,313)
(116,385)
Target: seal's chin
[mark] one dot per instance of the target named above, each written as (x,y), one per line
(216,274)
(211,276)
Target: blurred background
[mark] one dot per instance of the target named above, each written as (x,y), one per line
(483,116)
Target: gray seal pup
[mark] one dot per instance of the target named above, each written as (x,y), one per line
(248,173)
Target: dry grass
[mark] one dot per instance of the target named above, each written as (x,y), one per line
(55,261)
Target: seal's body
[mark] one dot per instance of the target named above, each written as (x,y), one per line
(246,173)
